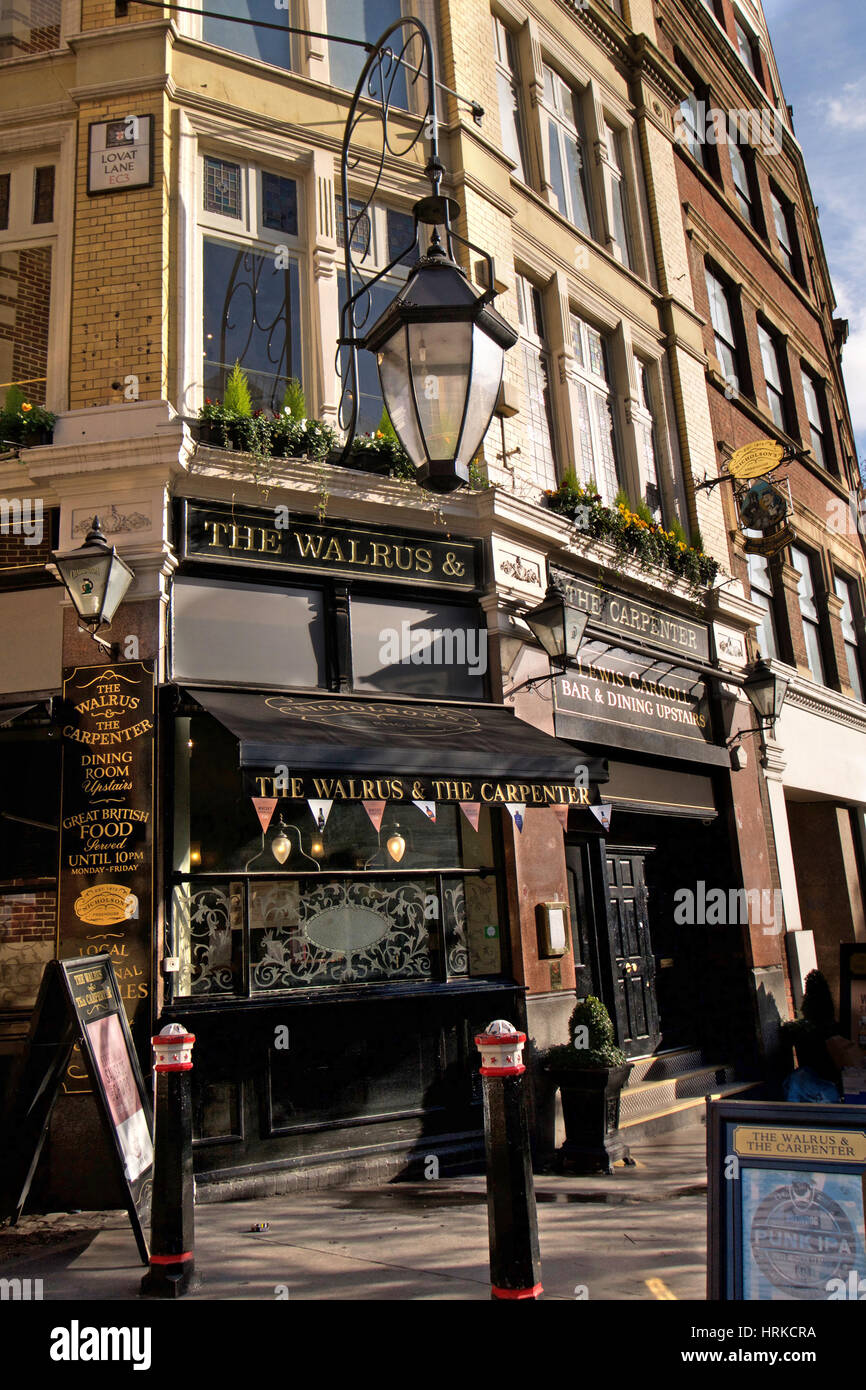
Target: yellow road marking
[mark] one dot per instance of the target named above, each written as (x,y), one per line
(659,1289)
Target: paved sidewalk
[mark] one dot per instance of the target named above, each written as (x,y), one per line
(639,1234)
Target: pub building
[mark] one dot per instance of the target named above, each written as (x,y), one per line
(356,848)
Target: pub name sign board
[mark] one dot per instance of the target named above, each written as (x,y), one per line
(277,539)
(632,621)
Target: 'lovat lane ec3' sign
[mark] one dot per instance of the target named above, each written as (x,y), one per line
(106,824)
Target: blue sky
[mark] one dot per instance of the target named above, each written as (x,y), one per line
(820,49)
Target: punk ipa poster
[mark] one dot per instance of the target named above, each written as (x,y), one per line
(105,891)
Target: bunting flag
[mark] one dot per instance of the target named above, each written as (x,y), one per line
(561,813)
(602,813)
(375,810)
(517,811)
(471,810)
(320,811)
(265,807)
(427,807)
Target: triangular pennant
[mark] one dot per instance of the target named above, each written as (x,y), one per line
(517,811)
(602,813)
(265,807)
(375,810)
(427,807)
(471,810)
(320,810)
(561,813)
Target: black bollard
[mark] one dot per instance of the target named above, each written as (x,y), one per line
(172,1255)
(515,1264)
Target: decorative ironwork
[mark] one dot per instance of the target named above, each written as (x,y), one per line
(257,305)
(203,927)
(288,953)
(395,59)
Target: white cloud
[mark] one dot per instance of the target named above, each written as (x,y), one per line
(847,111)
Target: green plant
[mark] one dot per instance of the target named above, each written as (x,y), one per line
(297,437)
(678,531)
(294,400)
(590,1026)
(478,479)
(22,420)
(15,398)
(237,398)
(385,427)
(642,510)
(621,499)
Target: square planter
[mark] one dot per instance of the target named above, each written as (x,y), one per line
(590,1109)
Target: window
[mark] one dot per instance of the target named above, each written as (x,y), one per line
(247,633)
(377,236)
(598,459)
(743,169)
(613,139)
(761,594)
(783,221)
(536,379)
(251,269)
(775,374)
(366,20)
(813,392)
(508,84)
(690,127)
(418,647)
(26,202)
(721,316)
(566,149)
(265,44)
(748,48)
(29,26)
(846,590)
(341,910)
(809,613)
(646,450)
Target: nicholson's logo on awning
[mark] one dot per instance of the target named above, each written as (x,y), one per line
(390,718)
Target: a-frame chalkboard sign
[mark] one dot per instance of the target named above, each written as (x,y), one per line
(79,1001)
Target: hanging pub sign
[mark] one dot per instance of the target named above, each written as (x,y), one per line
(79,1002)
(762,507)
(120,155)
(770,543)
(786,1202)
(105,888)
(276,539)
(754,460)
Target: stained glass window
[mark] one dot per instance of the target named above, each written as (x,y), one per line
(222,187)
(280,203)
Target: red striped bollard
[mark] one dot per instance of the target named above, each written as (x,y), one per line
(172,1256)
(515,1264)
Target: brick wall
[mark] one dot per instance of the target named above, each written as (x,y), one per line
(27,934)
(40,36)
(30,334)
(120,272)
(14,551)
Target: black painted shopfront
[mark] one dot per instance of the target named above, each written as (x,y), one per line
(641,691)
(336,784)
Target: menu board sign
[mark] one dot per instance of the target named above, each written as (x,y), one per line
(786,1201)
(105,894)
(80,999)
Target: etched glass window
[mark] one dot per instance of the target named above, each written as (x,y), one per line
(646,429)
(538,432)
(566,150)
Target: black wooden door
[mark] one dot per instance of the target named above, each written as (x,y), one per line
(632,962)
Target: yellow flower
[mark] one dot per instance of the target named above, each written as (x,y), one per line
(25,406)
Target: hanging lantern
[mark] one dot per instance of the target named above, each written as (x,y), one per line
(558,626)
(440,347)
(396,845)
(281,845)
(95,577)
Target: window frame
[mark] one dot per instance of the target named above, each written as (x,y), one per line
(778,393)
(507,61)
(249,233)
(736,376)
(853,653)
(788,251)
(814,385)
(620,195)
(597,388)
(531,315)
(748,40)
(812,623)
(566,127)
(758,567)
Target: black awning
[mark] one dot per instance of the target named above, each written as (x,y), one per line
(13,712)
(382,737)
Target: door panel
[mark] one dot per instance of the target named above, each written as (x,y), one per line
(633,965)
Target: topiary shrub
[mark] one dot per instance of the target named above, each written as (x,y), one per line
(591,1027)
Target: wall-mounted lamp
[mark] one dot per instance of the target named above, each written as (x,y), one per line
(96,579)
(558,626)
(766,691)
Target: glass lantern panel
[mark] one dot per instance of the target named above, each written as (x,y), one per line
(119,580)
(441,356)
(487,361)
(86,579)
(394,379)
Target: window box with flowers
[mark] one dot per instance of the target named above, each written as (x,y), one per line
(632,534)
(25,423)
